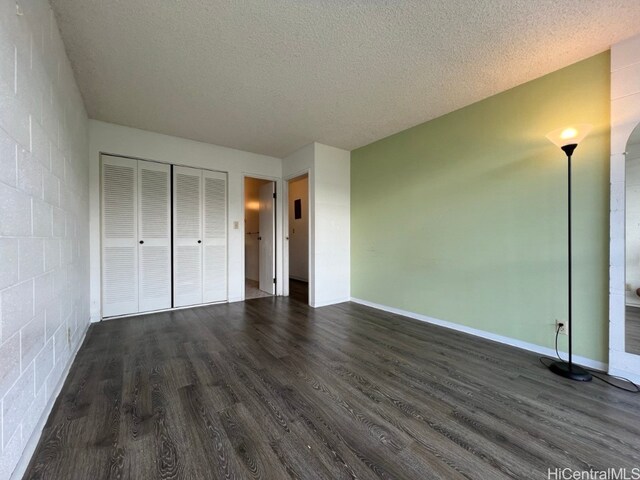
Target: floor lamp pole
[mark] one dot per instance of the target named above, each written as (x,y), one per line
(570,289)
(568,369)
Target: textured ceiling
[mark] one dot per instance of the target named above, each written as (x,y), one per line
(272,76)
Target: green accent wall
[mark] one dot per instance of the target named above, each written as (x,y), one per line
(464,218)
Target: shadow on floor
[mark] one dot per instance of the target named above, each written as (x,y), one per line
(299,290)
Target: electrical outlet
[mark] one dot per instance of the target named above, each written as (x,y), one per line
(564,329)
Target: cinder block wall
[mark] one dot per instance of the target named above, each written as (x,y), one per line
(44,221)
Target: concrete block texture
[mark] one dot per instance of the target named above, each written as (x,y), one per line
(44,216)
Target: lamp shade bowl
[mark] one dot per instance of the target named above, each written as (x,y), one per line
(569,135)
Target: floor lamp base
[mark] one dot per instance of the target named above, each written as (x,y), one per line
(572,372)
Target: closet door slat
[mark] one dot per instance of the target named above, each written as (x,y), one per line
(119,236)
(154,235)
(138,211)
(187,236)
(215,236)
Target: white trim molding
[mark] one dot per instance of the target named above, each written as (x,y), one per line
(586,362)
(625,117)
(333,301)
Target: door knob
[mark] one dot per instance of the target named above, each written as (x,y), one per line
(141,242)
(199,241)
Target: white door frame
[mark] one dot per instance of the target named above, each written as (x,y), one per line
(285,229)
(279,212)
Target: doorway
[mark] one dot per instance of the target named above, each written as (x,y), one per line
(298,234)
(260,238)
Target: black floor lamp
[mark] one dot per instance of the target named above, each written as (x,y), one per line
(568,139)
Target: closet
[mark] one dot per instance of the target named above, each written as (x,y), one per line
(200,236)
(164,236)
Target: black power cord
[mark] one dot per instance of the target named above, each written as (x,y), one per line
(594,373)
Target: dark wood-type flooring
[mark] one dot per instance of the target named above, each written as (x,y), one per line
(299,290)
(272,389)
(632,330)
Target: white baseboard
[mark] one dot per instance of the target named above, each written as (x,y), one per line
(623,364)
(331,302)
(32,443)
(634,377)
(586,362)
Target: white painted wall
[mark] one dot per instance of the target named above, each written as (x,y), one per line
(332,170)
(299,230)
(329,171)
(131,142)
(625,117)
(44,225)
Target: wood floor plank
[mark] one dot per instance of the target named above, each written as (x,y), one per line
(271,388)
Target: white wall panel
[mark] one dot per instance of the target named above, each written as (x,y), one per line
(625,53)
(333,225)
(625,117)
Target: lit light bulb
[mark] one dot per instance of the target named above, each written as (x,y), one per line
(568,133)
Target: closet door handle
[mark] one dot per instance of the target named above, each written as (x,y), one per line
(141,242)
(199,241)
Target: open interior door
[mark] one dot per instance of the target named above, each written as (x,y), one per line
(267,238)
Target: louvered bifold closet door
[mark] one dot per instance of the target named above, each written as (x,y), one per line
(187,236)
(119,236)
(215,236)
(154,235)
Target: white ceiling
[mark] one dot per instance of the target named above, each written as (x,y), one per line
(272,76)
